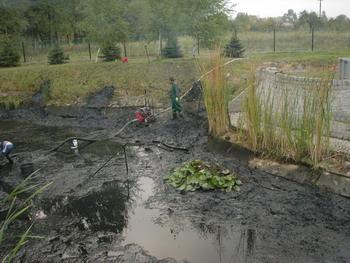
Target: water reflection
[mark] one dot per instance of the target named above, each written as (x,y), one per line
(185,237)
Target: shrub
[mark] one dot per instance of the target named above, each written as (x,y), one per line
(111,53)
(9,56)
(234,48)
(15,206)
(57,56)
(172,48)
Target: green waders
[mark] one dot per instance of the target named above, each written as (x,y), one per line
(175,100)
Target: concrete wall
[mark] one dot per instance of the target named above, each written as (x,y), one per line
(274,85)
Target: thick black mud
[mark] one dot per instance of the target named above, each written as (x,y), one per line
(97,209)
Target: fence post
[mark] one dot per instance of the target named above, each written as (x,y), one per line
(312,40)
(146,51)
(24,53)
(274,40)
(198,45)
(89,50)
(124,45)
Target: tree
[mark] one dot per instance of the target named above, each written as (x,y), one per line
(172,48)
(310,19)
(234,48)
(57,56)
(12,22)
(8,55)
(110,53)
(104,22)
(290,18)
(340,23)
(243,22)
(204,20)
(207,20)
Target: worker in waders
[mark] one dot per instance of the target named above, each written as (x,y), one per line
(6,148)
(175,98)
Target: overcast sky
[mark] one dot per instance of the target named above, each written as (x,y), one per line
(265,8)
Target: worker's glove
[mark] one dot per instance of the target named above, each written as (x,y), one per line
(177,99)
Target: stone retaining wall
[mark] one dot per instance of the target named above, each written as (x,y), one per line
(273,85)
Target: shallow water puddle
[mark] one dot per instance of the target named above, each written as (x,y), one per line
(225,244)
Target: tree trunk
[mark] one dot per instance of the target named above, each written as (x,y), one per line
(50,28)
(57,38)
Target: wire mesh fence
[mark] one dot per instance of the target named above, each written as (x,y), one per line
(253,42)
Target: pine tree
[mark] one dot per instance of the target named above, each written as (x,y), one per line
(172,48)
(111,53)
(234,48)
(57,56)
(9,56)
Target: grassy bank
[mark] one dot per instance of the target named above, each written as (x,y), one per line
(73,82)
(308,64)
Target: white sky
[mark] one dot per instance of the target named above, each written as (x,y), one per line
(266,8)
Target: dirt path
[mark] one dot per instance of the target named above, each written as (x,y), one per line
(115,216)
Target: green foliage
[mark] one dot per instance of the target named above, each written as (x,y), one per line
(9,56)
(10,102)
(209,30)
(172,48)
(110,53)
(16,208)
(196,175)
(12,20)
(53,21)
(105,21)
(234,48)
(311,20)
(57,56)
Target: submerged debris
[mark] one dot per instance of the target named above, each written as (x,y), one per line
(196,174)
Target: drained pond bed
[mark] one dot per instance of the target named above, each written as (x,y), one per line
(129,213)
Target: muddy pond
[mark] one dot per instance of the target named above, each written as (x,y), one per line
(108,202)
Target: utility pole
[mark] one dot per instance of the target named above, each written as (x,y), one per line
(320,7)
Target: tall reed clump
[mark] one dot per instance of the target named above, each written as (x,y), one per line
(287,119)
(215,94)
(17,207)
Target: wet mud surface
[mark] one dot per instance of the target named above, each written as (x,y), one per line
(97,209)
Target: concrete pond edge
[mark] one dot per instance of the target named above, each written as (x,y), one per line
(327,180)
(334,182)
